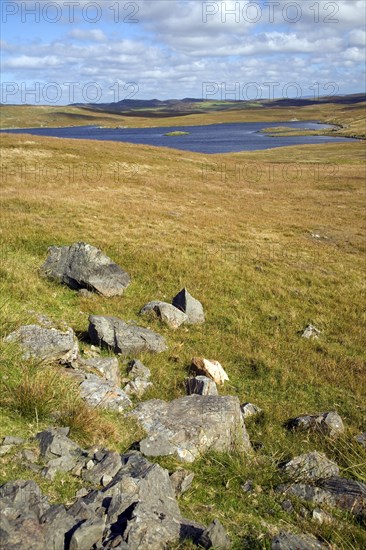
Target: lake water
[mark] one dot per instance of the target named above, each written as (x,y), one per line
(215,138)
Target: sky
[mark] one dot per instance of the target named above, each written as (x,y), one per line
(70,51)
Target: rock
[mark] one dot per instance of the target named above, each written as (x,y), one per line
(321,517)
(189,426)
(109,465)
(46,343)
(311,332)
(334,492)
(54,442)
(137,387)
(215,537)
(287,506)
(84,266)
(123,338)
(361,438)
(212,369)
(289,541)
(84,293)
(169,314)
(107,366)
(11,440)
(87,534)
(328,423)
(181,481)
(190,306)
(137,370)
(249,409)
(248,486)
(201,385)
(5,449)
(310,466)
(98,392)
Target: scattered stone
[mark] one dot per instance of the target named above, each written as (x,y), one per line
(321,517)
(29,456)
(328,423)
(189,426)
(201,385)
(123,338)
(137,370)
(212,369)
(310,466)
(84,266)
(311,332)
(110,464)
(107,366)
(289,541)
(137,387)
(287,506)
(168,313)
(46,343)
(5,449)
(84,293)
(87,534)
(11,440)
(98,392)
(334,492)
(190,306)
(215,537)
(81,492)
(361,438)
(181,481)
(249,409)
(248,486)
(61,453)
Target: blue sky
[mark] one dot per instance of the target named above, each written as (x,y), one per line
(64,51)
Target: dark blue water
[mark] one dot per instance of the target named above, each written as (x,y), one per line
(215,138)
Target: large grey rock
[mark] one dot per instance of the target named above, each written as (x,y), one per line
(201,385)
(310,466)
(47,344)
(190,426)
(87,534)
(61,453)
(84,266)
(328,423)
(170,315)
(107,366)
(215,537)
(190,306)
(334,491)
(123,338)
(98,392)
(289,541)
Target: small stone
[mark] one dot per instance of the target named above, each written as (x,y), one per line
(200,385)
(209,368)
(85,293)
(328,423)
(311,332)
(81,493)
(321,517)
(215,537)
(361,438)
(289,541)
(89,465)
(5,449)
(137,387)
(190,306)
(106,479)
(249,409)
(248,486)
(87,534)
(29,456)
(11,440)
(136,369)
(169,314)
(287,506)
(181,481)
(310,466)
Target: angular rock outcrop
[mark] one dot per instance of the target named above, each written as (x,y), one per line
(201,385)
(47,344)
(190,426)
(169,314)
(81,265)
(190,306)
(310,466)
(123,338)
(328,423)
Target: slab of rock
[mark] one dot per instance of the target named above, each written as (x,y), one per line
(47,344)
(212,369)
(215,537)
(334,492)
(123,338)
(61,453)
(310,466)
(201,385)
(137,387)
(84,266)
(190,306)
(310,332)
(181,481)
(98,392)
(87,534)
(289,541)
(189,426)
(169,314)
(249,409)
(107,366)
(136,369)
(328,423)
(109,465)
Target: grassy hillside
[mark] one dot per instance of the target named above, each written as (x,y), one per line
(269,241)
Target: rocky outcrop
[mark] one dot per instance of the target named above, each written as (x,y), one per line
(122,338)
(46,344)
(167,313)
(190,426)
(328,423)
(310,466)
(84,266)
(190,306)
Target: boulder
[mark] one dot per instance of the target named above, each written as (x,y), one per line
(289,541)
(181,481)
(212,369)
(107,366)
(189,426)
(47,344)
(98,392)
(137,370)
(169,314)
(201,385)
(249,409)
(123,338)
(310,466)
(190,306)
(84,266)
(328,423)
(215,537)
(310,332)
